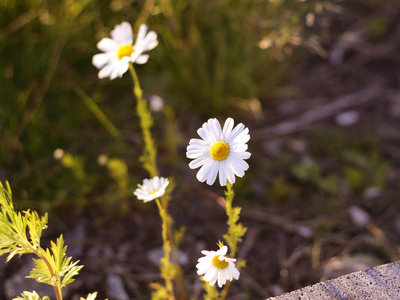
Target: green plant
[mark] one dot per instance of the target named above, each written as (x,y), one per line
(20,233)
(235,55)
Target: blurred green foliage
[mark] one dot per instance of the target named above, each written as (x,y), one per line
(337,171)
(214,58)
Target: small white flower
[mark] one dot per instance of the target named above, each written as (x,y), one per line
(151,188)
(119,50)
(215,266)
(220,151)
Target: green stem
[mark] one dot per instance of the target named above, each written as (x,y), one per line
(150,164)
(225,290)
(165,263)
(235,231)
(232,238)
(56,285)
(146,122)
(97,112)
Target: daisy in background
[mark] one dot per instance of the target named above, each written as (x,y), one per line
(216,267)
(151,188)
(220,151)
(119,50)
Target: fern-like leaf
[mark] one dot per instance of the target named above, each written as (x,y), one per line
(31,296)
(55,265)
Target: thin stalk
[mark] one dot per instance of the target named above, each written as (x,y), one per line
(146,122)
(97,112)
(150,164)
(232,238)
(56,285)
(235,231)
(166,264)
(225,290)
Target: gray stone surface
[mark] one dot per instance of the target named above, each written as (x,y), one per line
(378,283)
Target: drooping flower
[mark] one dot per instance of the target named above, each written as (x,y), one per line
(220,151)
(151,188)
(119,50)
(216,267)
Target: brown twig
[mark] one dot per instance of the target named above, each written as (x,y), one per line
(318,114)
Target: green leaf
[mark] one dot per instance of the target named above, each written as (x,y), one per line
(31,296)
(13,227)
(61,268)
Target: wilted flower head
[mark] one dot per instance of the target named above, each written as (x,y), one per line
(151,188)
(119,50)
(220,151)
(216,267)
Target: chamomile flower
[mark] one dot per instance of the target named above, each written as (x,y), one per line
(119,50)
(220,151)
(216,267)
(151,188)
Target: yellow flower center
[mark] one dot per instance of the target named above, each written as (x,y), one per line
(153,192)
(219,264)
(125,50)
(219,150)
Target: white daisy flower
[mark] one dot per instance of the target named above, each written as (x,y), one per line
(215,266)
(119,50)
(220,151)
(151,188)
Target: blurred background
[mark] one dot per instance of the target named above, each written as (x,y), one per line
(316,82)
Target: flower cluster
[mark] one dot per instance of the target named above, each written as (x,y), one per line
(221,152)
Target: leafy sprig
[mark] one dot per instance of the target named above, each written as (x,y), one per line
(20,233)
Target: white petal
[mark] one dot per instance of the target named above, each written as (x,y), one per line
(198,162)
(204,171)
(238,166)
(235,132)
(203,268)
(150,41)
(106,70)
(223,250)
(243,137)
(222,174)
(213,173)
(211,275)
(210,131)
(228,274)
(195,151)
(221,278)
(100,60)
(165,183)
(123,34)
(206,134)
(198,143)
(228,127)
(120,67)
(141,59)
(230,175)
(235,272)
(107,45)
(212,282)
(238,147)
(216,129)
(242,155)
(141,33)
(155,183)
